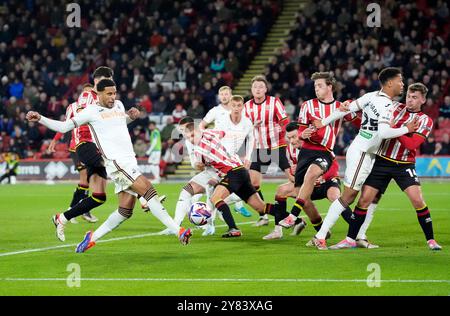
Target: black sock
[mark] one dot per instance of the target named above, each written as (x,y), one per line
(317,224)
(80,193)
(424,217)
(85,205)
(356,221)
(276,211)
(280,208)
(347,214)
(298,207)
(226,213)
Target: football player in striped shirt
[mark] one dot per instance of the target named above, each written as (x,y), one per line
(316,155)
(108,123)
(269,118)
(239,131)
(235,177)
(395,160)
(377,109)
(326,186)
(82,190)
(220,116)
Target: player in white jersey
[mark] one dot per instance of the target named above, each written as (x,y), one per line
(377,110)
(239,130)
(108,123)
(220,116)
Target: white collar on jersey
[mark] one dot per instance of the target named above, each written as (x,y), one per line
(384,94)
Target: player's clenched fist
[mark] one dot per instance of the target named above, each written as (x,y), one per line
(133,113)
(33,116)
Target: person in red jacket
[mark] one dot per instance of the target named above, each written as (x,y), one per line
(396,160)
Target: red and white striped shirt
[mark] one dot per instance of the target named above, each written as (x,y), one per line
(270,134)
(324,138)
(392,149)
(292,154)
(212,153)
(80,134)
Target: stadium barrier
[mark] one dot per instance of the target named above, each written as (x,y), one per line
(57,169)
(53,169)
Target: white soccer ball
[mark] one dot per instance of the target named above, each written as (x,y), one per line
(199,213)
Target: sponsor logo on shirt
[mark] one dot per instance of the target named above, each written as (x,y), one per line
(365,134)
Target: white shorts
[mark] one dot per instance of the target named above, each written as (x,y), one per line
(358,167)
(203,177)
(154,158)
(123,173)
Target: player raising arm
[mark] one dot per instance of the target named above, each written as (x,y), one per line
(108,123)
(377,108)
(396,160)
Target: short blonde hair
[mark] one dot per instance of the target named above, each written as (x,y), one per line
(237,98)
(223,88)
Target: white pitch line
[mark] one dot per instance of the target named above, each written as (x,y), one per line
(100,241)
(220,280)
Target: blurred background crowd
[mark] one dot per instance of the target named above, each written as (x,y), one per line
(171,57)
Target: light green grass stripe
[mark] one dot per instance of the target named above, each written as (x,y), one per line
(100,241)
(219,280)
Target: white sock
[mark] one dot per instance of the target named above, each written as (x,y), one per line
(265,216)
(63,219)
(349,239)
(209,191)
(112,222)
(143,202)
(335,210)
(160,213)
(278,229)
(183,205)
(369,217)
(196,198)
(232,198)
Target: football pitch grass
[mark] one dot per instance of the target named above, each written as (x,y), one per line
(132,260)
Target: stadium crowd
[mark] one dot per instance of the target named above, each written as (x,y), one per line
(171,57)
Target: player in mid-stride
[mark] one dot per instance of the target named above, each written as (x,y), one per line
(377,110)
(108,123)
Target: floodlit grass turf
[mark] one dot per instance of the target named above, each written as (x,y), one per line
(158,263)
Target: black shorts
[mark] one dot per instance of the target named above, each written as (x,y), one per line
(307,157)
(264,157)
(90,156)
(320,191)
(76,161)
(238,181)
(384,170)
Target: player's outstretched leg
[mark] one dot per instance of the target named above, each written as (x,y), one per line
(149,197)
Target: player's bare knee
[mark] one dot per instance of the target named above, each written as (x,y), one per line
(349,196)
(417,202)
(196,188)
(364,202)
